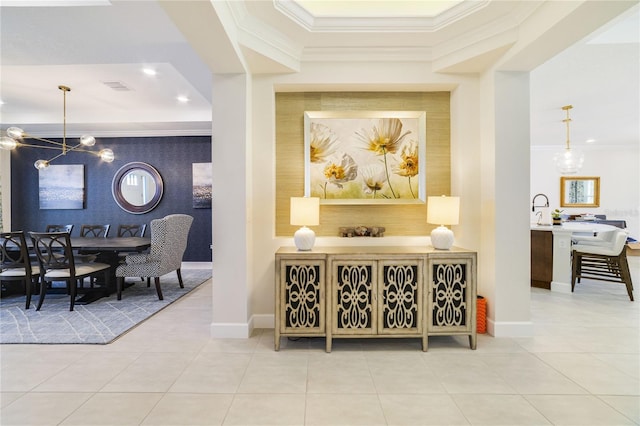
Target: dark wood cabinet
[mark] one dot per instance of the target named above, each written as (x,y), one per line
(541,259)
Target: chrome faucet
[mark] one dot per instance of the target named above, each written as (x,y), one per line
(533,202)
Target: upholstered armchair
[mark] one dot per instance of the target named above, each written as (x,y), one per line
(168,242)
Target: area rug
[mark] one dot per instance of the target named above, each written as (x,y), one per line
(99,322)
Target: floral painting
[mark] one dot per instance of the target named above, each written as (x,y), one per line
(365,157)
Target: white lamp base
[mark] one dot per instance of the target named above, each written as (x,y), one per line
(442,238)
(304,238)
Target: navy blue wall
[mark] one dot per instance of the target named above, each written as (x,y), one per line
(171,156)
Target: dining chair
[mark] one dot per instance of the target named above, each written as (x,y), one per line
(15,264)
(59,228)
(57,263)
(94,231)
(132,230)
(169,237)
(603,259)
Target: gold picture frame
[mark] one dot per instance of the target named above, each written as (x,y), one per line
(365,157)
(579,191)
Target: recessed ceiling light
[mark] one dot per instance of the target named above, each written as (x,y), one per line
(149,71)
(182,99)
(590,140)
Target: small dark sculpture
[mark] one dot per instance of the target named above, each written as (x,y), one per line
(362,231)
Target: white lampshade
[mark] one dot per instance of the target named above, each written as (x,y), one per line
(442,211)
(305,211)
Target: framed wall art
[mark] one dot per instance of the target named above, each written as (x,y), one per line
(202,185)
(365,157)
(61,187)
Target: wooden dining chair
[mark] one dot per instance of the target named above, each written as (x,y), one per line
(59,228)
(57,263)
(15,264)
(94,231)
(132,230)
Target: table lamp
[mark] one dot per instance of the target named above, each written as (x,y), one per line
(442,211)
(305,211)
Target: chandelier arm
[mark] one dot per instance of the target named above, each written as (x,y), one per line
(20,144)
(43,140)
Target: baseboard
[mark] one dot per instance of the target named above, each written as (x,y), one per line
(263,321)
(225,330)
(559,287)
(197,265)
(509,328)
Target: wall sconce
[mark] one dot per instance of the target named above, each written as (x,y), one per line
(442,211)
(305,211)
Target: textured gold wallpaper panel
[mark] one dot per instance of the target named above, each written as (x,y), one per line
(398,219)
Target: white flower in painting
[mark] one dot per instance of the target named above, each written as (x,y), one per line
(374,178)
(341,170)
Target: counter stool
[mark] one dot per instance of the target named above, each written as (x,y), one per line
(602,260)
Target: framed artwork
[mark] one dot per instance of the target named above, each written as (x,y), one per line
(61,187)
(202,184)
(365,157)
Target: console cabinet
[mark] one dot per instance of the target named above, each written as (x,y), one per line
(339,292)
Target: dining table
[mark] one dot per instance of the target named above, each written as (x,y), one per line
(107,250)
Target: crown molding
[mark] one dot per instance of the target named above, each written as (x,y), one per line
(294,11)
(366,54)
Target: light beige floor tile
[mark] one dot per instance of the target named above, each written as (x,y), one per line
(411,409)
(189,409)
(510,410)
(581,410)
(89,374)
(594,375)
(627,405)
(42,408)
(16,377)
(629,364)
(151,372)
(528,375)
(402,373)
(114,409)
(7,398)
(339,374)
(346,409)
(466,373)
(249,410)
(213,373)
(275,373)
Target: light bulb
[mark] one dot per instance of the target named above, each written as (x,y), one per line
(7,143)
(106,155)
(41,164)
(15,132)
(87,140)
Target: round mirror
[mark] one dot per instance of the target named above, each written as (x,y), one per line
(137,187)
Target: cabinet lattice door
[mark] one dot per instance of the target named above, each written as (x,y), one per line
(303,308)
(354,297)
(400,296)
(451,295)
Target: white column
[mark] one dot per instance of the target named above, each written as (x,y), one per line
(231,205)
(561,279)
(504,255)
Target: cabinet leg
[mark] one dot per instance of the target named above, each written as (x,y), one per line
(472,341)
(425,343)
(328,346)
(277,341)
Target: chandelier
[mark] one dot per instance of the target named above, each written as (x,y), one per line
(569,161)
(15,136)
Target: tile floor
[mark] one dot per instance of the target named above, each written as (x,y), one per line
(582,367)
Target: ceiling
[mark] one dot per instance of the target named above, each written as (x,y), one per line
(99,48)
